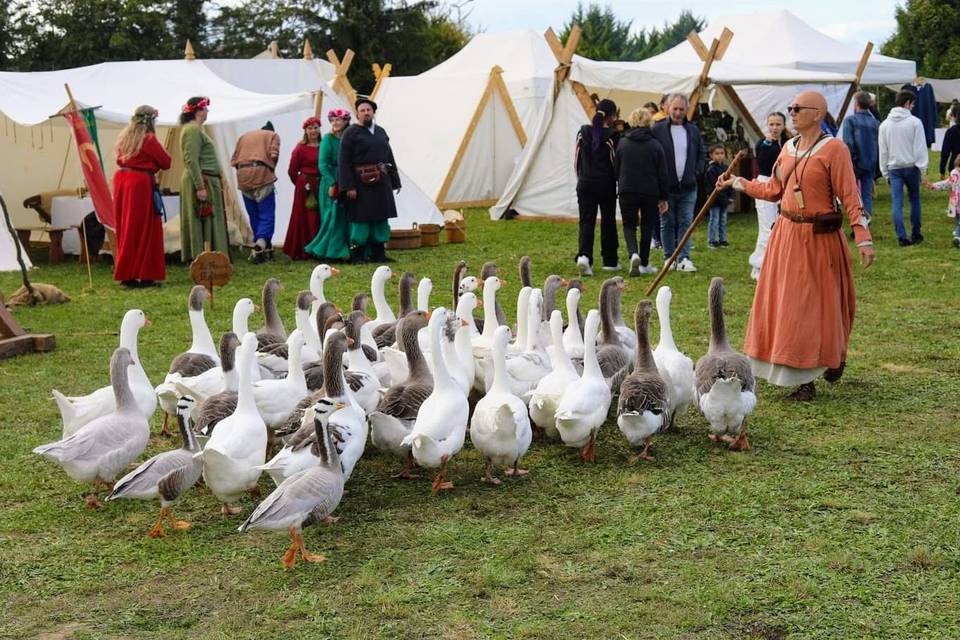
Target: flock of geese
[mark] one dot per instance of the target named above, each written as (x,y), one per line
(300,406)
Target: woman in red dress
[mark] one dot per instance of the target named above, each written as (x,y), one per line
(304,171)
(139,259)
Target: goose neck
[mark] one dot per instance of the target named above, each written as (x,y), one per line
(500,383)
(416,364)
(120,380)
(129,331)
(666,331)
(329,457)
(239,324)
(607,323)
(245,401)
(644,361)
(718,329)
(591,367)
(489,310)
(202,340)
(384,312)
(187,438)
(271,317)
(441,374)
(333,381)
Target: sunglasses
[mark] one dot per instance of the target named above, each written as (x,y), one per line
(796,108)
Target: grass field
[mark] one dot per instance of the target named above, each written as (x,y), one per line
(841,523)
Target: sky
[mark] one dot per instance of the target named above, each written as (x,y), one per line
(851,21)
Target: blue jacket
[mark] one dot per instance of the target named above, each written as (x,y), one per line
(860,132)
(696,155)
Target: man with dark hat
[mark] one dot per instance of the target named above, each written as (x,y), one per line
(367,175)
(255,160)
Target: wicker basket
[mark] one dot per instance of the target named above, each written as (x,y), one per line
(430,235)
(456,231)
(405,238)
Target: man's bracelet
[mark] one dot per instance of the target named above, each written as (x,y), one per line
(865,243)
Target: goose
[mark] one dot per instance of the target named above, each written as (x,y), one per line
(385,333)
(242,310)
(525,369)
(500,428)
(76,411)
(298,452)
(673,364)
(103,447)
(628,336)
(377,284)
(441,423)
(424,289)
(394,417)
(523,321)
(360,303)
(461,372)
(483,342)
(550,388)
(201,356)
(458,273)
(237,447)
(167,475)
(328,320)
(464,311)
(643,409)
(308,497)
(726,388)
(579,286)
(614,357)
(210,410)
(361,376)
(490,269)
(272,331)
(320,274)
(275,399)
(463,342)
(274,357)
(525,279)
(211,382)
(584,405)
(572,335)
(551,285)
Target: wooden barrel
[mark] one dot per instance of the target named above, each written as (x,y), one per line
(405,238)
(429,235)
(456,231)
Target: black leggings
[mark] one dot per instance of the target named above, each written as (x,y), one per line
(589,199)
(638,210)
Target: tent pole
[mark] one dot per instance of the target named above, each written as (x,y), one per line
(704,78)
(864,59)
(380,73)
(564,56)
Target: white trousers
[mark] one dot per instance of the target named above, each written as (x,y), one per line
(766,216)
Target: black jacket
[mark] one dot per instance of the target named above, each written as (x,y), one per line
(641,165)
(595,168)
(375,202)
(950,149)
(710,176)
(696,155)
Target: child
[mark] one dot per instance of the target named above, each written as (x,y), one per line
(717,229)
(952,184)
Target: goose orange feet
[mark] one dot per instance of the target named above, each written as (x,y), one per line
(229,510)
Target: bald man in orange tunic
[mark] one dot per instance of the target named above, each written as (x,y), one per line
(803,310)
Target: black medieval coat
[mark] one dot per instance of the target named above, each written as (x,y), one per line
(374,202)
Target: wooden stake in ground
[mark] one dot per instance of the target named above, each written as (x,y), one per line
(704,210)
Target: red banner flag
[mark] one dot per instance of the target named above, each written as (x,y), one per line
(92,171)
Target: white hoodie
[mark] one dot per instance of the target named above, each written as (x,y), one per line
(902,142)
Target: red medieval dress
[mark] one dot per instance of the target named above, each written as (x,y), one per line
(139,225)
(304,222)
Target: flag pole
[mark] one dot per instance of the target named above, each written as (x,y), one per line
(83,229)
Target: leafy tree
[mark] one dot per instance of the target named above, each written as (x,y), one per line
(927,34)
(604,37)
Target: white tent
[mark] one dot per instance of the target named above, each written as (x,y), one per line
(465,154)
(527,64)
(779,39)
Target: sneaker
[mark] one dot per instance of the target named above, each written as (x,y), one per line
(635,265)
(755,274)
(724,243)
(648,270)
(686,265)
(615,267)
(956,242)
(917,239)
(583,265)
(713,245)
(904,242)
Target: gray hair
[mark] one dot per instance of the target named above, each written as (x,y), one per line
(679,96)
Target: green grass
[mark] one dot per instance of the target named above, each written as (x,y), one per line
(841,523)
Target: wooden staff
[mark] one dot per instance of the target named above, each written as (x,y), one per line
(704,210)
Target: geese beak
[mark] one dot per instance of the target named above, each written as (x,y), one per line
(464,323)
(256,308)
(339,405)
(349,341)
(428,315)
(334,271)
(146,321)
(502,282)
(366,318)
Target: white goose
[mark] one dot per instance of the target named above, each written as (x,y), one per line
(726,388)
(242,310)
(320,274)
(546,397)
(103,447)
(572,335)
(525,369)
(275,399)
(463,342)
(384,312)
(483,343)
(585,403)
(523,321)
(500,428)
(76,411)
(674,365)
(237,447)
(424,289)
(441,424)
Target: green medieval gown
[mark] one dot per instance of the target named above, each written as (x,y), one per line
(331,241)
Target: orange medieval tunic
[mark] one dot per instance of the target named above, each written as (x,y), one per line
(804,306)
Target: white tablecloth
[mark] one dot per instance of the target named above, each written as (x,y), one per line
(66,211)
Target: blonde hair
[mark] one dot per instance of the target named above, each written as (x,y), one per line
(130,140)
(640,118)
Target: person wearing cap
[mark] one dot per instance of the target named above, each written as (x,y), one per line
(202,216)
(332,242)
(255,159)
(305,215)
(367,175)
(803,310)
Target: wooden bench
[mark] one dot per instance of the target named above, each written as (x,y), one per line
(55,244)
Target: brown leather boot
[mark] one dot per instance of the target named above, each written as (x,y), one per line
(834,374)
(804,393)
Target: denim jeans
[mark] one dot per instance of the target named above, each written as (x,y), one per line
(717,227)
(909,176)
(865,182)
(675,223)
(262,216)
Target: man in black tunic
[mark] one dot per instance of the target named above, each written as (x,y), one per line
(367,176)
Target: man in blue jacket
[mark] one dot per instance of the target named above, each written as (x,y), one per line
(860,135)
(686,153)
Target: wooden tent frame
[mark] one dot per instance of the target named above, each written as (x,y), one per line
(380,73)
(341,84)
(855,85)
(564,55)
(495,85)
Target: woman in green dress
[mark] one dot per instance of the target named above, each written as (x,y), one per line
(202,216)
(332,241)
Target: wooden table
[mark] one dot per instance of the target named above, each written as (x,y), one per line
(55,245)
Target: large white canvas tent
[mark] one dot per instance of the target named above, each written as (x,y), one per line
(464,156)
(544,183)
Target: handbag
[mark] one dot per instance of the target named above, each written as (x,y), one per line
(205,210)
(158,201)
(370,173)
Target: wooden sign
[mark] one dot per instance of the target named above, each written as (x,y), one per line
(210,269)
